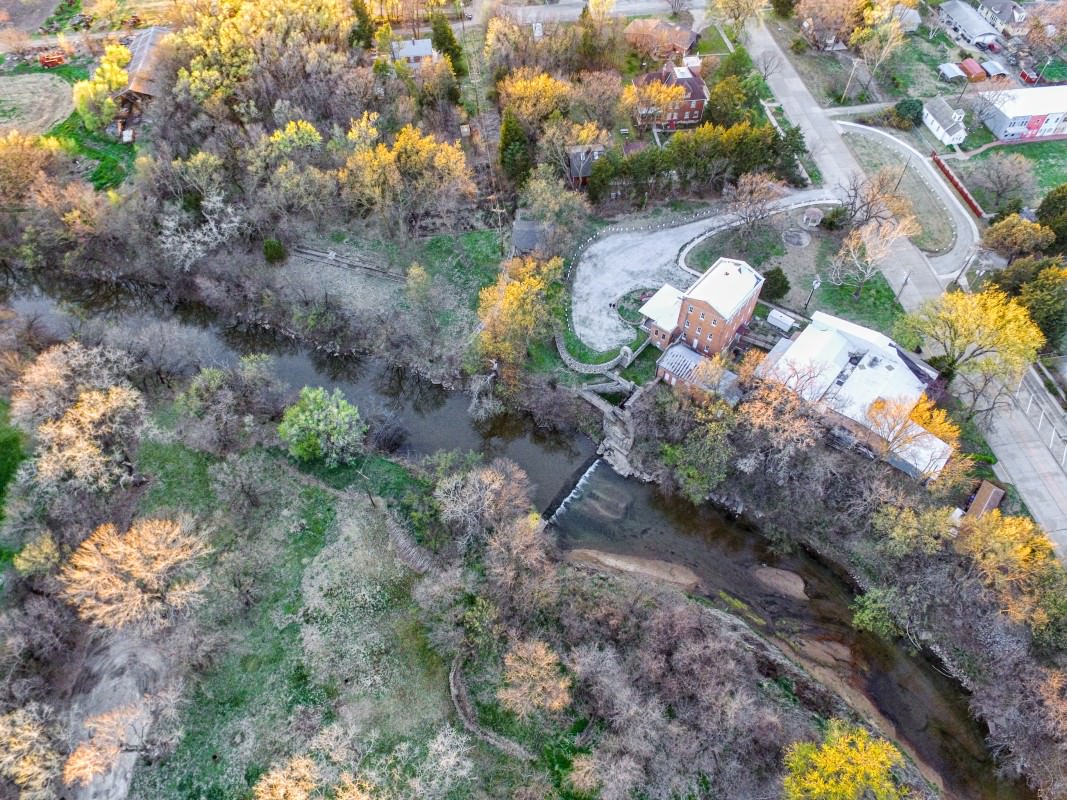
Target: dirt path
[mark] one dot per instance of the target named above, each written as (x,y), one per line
(33,103)
(118,673)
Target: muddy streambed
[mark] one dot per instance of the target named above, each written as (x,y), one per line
(621,523)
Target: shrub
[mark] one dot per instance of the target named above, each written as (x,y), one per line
(274,251)
(835,218)
(910,109)
(775,285)
(799,45)
(323,426)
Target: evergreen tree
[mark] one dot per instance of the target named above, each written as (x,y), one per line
(775,285)
(514,149)
(445,42)
(783,8)
(364,29)
(1045,297)
(1053,213)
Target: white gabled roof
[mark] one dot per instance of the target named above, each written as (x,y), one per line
(1030,102)
(662,307)
(726,286)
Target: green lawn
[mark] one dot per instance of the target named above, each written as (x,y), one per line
(877,306)
(711,42)
(1049,160)
(937,233)
(643,369)
(977,135)
(1056,71)
(77,70)
(912,69)
(756,249)
(468,262)
(114,160)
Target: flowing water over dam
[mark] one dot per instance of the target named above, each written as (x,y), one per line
(794,599)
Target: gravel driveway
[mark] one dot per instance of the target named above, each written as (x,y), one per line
(621,262)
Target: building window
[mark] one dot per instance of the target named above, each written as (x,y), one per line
(692,103)
(705,348)
(698,330)
(702,315)
(690,309)
(711,335)
(687,323)
(714,322)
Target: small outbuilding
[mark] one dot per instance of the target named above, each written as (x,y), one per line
(527,235)
(994,69)
(973,70)
(986,499)
(950,72)
(909,18)
(580,160)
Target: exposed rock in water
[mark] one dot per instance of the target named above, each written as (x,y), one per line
(649,567)
(781,582)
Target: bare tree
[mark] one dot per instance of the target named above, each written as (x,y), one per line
(865,248)
(29,757)
(738,12)
(1005,177)
(875,198)
(533,680)
(483,499)
(752,199)
(768,63)
(111,734)
(678,6)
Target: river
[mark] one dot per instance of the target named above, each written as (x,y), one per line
(600,510)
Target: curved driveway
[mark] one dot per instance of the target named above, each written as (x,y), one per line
(624,261)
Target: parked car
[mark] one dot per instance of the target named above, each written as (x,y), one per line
(1013,60)
(1028,76)
(981,46)
(994,47)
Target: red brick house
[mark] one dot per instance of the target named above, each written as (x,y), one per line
(709,314)
(690,108)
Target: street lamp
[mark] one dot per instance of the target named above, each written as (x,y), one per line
(816,282)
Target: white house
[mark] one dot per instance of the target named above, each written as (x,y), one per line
(414,52)
(909,18)
(849,371)
(1004,15)
(961,18)
(944,121)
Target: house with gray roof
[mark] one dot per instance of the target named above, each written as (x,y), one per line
(962,18)
(944,121)
(143,70)
(1004,15)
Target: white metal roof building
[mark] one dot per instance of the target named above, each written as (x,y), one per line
(965,19)
(845,368)
(727,286)
(662,307)
(1026,113)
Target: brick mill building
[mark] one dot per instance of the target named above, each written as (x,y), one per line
(706,318)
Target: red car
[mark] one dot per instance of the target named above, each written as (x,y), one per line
(1028,76)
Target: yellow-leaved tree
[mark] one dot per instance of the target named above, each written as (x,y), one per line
(911,430)
(533,680)
(532,95)
(850,764)
(144,576)
(227,42)
(513,311)
(650,101)
(416,178)
(93,98)
(983,342)
(22,158)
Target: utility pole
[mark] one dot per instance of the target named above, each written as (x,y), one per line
(816,282)
(906,165)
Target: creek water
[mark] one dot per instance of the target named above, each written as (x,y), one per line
(597,509)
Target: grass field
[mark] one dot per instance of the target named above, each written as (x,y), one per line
(711,42)
(643,369)
(937,234)
(114,160)
(1049,160)
(756,249)
(912,69)
(327,637)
